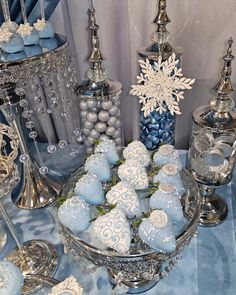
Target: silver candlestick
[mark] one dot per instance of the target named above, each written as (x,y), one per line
(212,152)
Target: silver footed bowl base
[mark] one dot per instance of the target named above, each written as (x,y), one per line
(214,209)
(37,257)
(138,285)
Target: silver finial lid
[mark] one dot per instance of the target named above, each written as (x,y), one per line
(98,85)
(224,86)
(95,56)
(162,18)
(161,46)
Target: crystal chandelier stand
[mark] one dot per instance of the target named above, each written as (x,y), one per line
(36,193)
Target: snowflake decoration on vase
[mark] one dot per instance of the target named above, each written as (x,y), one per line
(159,86)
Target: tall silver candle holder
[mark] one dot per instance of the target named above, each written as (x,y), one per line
(212,153)
(34,257)
(99,98)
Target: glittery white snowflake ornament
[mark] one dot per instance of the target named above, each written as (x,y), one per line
(159,86)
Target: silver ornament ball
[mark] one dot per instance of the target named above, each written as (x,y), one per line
(112,121)
(91,103)
(116,134)
(107,105)
(113,110)
(110,131)
(94,134)
(92,117)
(88,125)
(101,127)
(103,116)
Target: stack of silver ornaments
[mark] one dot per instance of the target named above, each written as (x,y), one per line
(99,99)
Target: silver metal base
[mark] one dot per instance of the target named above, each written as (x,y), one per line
(214,210)
(37,193)
(37,257)
(135,286)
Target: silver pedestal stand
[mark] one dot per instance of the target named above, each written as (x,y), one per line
(34,257)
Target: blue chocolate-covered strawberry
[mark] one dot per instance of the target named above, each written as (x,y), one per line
(156,231)
(167,199)
(75,214)
(89,188)
(108,148)
(97,164)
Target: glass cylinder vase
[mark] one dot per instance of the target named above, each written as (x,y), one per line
(100,113)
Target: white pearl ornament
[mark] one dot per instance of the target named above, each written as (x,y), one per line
(103,116)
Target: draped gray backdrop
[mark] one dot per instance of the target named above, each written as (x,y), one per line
(200,27)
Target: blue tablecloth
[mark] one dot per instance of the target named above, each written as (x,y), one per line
(208,265)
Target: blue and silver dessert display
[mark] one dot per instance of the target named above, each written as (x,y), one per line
(212,153)
(11,279)
(156,128)
(137,243)
(99,98)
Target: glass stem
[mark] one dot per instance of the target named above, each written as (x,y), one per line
(11,226)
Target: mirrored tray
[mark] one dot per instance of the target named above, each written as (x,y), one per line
(139,270)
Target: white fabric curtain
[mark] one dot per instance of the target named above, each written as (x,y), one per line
(200,27)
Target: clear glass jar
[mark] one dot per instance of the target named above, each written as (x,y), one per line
(100,113)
